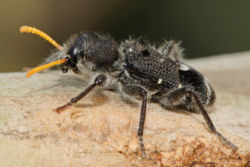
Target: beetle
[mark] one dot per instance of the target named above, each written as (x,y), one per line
(135,69)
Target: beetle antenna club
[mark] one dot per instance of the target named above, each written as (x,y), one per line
(134,68)
(33,30)
(45,66)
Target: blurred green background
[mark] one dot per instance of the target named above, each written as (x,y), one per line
(205,27)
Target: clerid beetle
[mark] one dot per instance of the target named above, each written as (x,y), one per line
(135,69)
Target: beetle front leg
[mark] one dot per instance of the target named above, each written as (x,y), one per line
(100,79)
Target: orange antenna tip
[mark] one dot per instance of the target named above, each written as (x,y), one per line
(33,30)
(45,66)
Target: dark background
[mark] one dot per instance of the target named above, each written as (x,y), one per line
(205,27)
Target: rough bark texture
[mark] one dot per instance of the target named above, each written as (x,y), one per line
(101,129)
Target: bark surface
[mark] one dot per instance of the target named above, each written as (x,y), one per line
(100,130)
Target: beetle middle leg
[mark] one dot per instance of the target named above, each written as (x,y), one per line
(100,79)
(134,90)
(185,98)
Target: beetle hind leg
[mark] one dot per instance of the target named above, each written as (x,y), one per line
(186,98)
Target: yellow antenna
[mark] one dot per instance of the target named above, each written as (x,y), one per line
(33,30)
(42,67)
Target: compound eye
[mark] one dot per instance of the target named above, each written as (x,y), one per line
(75,51)
(71,51)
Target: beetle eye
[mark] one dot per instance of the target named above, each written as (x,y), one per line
(75,51)
(72,51)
